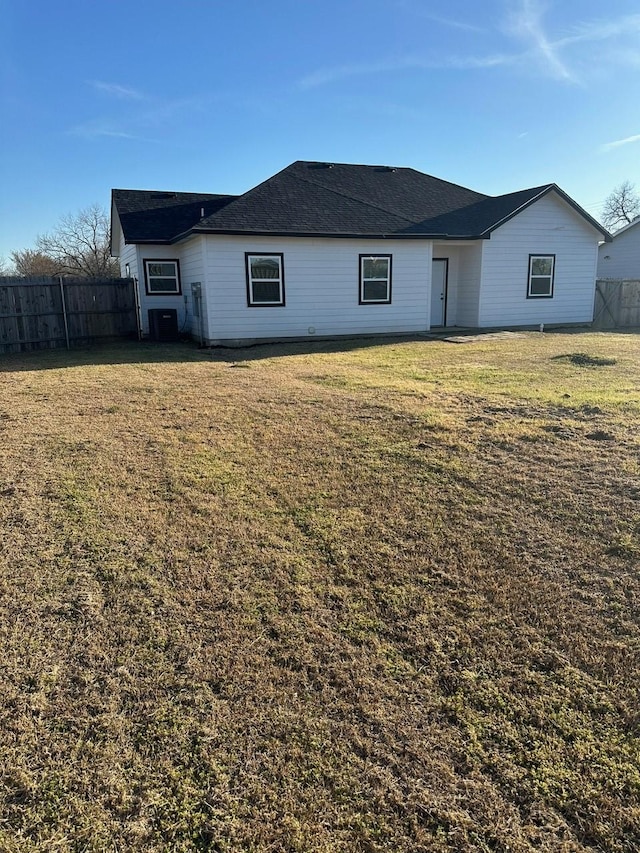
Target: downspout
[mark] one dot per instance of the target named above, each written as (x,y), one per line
(200,319)
(136,296)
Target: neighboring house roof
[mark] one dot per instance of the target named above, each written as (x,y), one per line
(621,259)
(633,224)
(334,200)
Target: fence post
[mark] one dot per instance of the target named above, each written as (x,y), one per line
(64,311)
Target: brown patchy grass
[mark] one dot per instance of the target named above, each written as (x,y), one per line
(354,597)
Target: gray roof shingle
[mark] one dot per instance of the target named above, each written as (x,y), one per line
(150,216)
(328,199)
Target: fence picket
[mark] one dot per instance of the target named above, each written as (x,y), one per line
(617,304)
(33,316)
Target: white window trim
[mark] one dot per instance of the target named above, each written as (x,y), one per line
(147,278)
(251,302)
(533,277)
(387,299)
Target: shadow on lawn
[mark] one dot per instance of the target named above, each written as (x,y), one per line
(147,352)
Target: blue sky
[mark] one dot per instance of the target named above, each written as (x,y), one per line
(216,96)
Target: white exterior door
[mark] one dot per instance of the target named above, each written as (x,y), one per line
(439,291)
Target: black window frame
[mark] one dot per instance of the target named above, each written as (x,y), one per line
(530,275)
(251,303)
(149,292)
(361,280)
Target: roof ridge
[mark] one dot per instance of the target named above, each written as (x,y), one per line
(393,169)
(539,192)
(210,220)
(359,200)
(244,194)
(336,163)
(524,190)
(443,181)
(389,209)
(172,192)
(308,181)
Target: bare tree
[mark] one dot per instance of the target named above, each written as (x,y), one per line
(622,206)
(6,267)
(79,244)
(31,262)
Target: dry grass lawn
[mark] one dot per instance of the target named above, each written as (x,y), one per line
(370,596)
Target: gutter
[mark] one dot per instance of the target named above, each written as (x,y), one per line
(316,234)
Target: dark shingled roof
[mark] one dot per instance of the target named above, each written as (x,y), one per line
(329,200)
(319,198)
(151,216)
(482,216)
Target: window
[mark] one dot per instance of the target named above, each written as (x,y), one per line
(541,270)
(375,279)
(162,277)
(265,280)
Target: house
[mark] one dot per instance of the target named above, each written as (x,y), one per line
(620,259)
(331,249)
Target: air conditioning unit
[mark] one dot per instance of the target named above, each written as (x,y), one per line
(163,324)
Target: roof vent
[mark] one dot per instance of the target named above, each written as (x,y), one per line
(163,195)
(321,166)
(387,169)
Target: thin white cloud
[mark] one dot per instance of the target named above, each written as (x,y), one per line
(97,128)
(618,143)
(155,116)
(456,25)
(338,72)
(115,90)
(601,30)
(416,8)
(556,58)
(470,62)
(525,23)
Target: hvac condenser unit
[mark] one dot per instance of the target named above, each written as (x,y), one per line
(163,324)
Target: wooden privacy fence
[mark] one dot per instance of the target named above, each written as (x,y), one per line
(48,312)
(617,304)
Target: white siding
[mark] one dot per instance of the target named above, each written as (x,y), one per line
(126,254)
(468,293)
(321,288)
(191,257)
(549,226)
(192,270)
(463,283)
(621,258)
